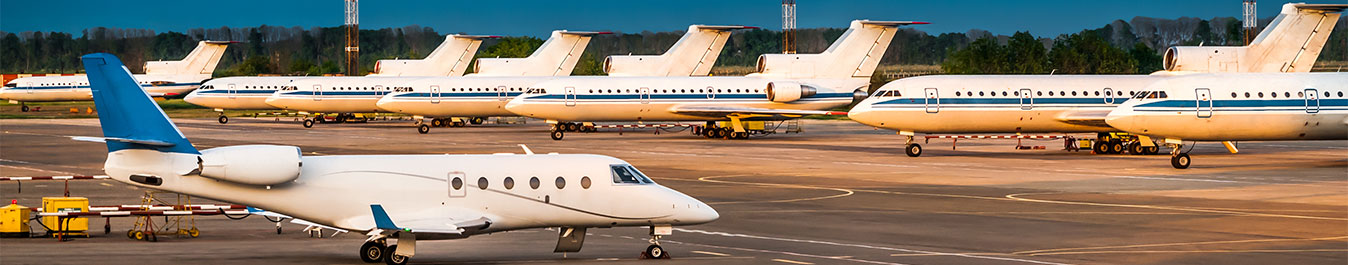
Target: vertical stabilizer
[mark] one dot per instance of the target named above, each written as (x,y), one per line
(1293,41)
(855,54)
(201,61)
(451,58)
(692,55)
(556,57)
(130,118)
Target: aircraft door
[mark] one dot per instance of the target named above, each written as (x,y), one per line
(1312,101)
(570,97)
(1204,97)
(29,87)
(435,94)
(645,95)
(318,92)
(231,92)
(933,100)
(1109,95)
(1026,99)
(501,94)
(458,184)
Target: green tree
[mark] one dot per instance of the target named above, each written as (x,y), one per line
(1147,59)
(1026,55)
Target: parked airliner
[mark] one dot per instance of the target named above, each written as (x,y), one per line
(1079,103)
(478,96)
(397,199)
(345,96)
(451,58)
(163,78)
(1238,107)
(787,86)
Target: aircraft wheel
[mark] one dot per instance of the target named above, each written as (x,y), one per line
(742,135)
(371,252)
(278,230)
(477,120)
(424,129)
(23,108)
(1135,148)
(1115,148)
(437,123)
(913,150)
(457,124)
(719,133)
(572,127)
(308,123)
(1180,161)
(655,252)
(223,119)
(557,135)
(394,259)
(1153,150)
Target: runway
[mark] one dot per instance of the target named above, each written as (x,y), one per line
(838,193)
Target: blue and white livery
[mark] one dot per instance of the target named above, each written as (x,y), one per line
(161,78)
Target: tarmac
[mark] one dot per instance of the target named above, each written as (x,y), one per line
(837,193)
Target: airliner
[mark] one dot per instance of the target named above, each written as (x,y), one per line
(396,199)
(479,96)
(162,78)
(1079,103)
(786,86)
(451,58)
(1238,107)
(345,96)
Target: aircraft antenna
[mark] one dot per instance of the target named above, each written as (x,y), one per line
(788,26)
(1251,21)
(352,37)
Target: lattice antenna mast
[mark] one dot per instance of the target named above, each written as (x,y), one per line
(1251,21)
(352,37)
(788,26)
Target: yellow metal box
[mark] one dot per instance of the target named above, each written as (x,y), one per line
(14,220)
(66,204)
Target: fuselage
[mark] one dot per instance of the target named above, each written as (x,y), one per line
(465,96)
(241,92)
(349,94)
(998,103)
(1234,107)
(655,98)
(553,190)
(76,88)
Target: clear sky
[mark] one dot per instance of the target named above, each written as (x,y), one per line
(536,17)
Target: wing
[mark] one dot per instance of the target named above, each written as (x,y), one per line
(1094,118)
(433,222)
(747,112)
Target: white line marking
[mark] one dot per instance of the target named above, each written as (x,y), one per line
(858,246)
(791,261)
(710,253)
(1182,179)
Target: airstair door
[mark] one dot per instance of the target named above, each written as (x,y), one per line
(645,95)
(1026,99)
(933,100)
(231,92)
(435,94)
(318,92)
(570,97)
(1109,95)
(501,94)
(1312,101)
(30,87)
(1204,97)
(458,184)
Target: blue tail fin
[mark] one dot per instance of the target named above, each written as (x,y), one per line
(381,219)
(130,118)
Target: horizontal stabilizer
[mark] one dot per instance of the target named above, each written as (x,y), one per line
(1095,118)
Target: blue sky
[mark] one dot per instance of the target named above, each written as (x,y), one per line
(537,17)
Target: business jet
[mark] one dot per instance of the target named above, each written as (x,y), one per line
(786,86)
(345,96)
(161,78)
(1237,107)
(1078,103)
(478,96)
(396,199)
(451,58)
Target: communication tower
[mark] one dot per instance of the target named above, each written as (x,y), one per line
(788,26)
(352,37)
(1251,21)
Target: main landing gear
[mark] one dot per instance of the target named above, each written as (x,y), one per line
(23,107)
(377,249)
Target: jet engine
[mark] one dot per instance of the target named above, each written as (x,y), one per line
(1204,59)
(251,164)
(787,91)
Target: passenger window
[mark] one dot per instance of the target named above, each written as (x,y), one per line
(561,182)
(457,183)
(482,183)
(585,182)
(509,183)
(1233,94)
(534,183)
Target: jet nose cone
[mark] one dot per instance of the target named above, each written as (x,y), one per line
(275,102)
(699,213)
(193,98)
(386,103)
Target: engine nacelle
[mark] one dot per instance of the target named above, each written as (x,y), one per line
(633,65)
(787,91)
(1204,59)
(252,164)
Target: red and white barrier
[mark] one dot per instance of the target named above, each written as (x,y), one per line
(54,178)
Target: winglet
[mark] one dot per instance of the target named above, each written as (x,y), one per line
(381,219)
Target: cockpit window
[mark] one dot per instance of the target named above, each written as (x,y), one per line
(12,85)
(1151,94)
(629,175)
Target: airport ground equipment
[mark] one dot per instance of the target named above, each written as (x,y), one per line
(14,220)
(65,227)
(711,129)
(1103,143)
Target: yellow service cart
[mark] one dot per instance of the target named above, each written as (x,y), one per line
(60,226)
(14,220)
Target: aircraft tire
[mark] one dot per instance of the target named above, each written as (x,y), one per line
(308,123)
(1135,148)
(372,252)
(1153,150)
(1115,148)
(223,119)
(23,108)
(437,123)
(391,259)
(278,230)
(1180,161)
(477,120)
(913,150)
(572,127)
(424,129)
(557,135)
(656,252)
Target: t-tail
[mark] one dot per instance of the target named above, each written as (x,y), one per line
(129,117)
(201,61)
(556,57)
(451,58)
(855,54)
(692,55)
(1291,43)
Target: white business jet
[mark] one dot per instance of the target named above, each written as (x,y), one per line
(1238,107)
(787,86)
(1078,103)
(396,199)
(161,78)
